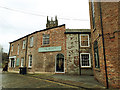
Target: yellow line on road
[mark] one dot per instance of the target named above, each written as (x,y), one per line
(55,82)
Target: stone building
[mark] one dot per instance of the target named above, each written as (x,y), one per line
(105,32)
(40,51)
(78,49)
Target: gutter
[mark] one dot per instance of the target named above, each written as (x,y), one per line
(79,54)
(107,85)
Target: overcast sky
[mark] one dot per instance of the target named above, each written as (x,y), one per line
(21,17)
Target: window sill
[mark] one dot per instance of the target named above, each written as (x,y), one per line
(45,45)
(86,67)
(97,69)
(31,46)
(85,46)
(29,67)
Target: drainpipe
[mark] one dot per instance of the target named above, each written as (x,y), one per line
(107,85)
(79,54)
(26,50)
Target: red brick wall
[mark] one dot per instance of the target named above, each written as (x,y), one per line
(45,61)
(42,61)
(111,41)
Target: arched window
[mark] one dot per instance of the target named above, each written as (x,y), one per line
(60,63)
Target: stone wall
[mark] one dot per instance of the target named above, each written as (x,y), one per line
(72,46)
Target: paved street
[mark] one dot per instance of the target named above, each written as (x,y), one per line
(10,80)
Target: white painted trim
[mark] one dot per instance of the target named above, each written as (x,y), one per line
(55,62)
(81,60)
(88,40)
(14,60)
(12,57)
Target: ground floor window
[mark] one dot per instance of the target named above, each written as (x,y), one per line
(96,55)
(85,60)
(60,63)
(22,62)
(12,62)
(30,61)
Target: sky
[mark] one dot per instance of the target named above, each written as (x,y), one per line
(21,17)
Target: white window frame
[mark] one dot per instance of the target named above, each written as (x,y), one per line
(18,50)
(81,59)
(81,42)
(31,41)
(24,43)
(55,63)
(22,62)
(29,61)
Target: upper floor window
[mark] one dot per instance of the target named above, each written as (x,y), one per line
(12,48)
(31,41)
(93,14)
(46,39)
(84,40)
(30,61)
(96,55)
(18,50)
(24,42)
(85,60)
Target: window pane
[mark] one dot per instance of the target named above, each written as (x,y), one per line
(30,60)
(85,60)
(84,40)
(45,39)
(96,55)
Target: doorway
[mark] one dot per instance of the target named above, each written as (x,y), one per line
(60,63)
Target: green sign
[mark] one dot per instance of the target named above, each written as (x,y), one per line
(17,62)
(49,49)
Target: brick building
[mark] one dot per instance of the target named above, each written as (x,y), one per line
(40,51)
(105,32)
(78,46)
(49,50)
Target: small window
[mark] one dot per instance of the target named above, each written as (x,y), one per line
(12,48)
(18,50)
(96,55)
(30,61)
(85,60)
(84,40)
(24,42)
(45,39)
(22,62)
(31,41)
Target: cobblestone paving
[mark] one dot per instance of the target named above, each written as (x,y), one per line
(21,81)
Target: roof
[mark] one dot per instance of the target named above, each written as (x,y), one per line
(77,31)
(37,31)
